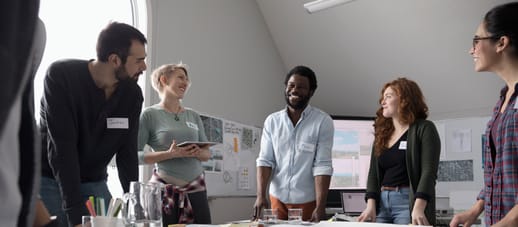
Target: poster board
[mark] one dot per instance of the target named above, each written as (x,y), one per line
(231,170)
(460,174)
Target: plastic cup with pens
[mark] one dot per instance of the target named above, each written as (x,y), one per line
(100,216)
(102,221)
(142,205)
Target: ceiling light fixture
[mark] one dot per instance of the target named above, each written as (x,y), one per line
(318,5)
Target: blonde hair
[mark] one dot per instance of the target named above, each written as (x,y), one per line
(165,70)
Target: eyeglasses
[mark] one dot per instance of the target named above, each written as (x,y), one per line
(477,38)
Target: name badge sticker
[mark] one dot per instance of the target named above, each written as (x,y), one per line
(402,145)
(307,147)
(192,125)
(117,123)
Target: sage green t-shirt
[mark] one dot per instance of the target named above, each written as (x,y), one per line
(158,128)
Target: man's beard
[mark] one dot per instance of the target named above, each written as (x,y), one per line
(121,74)
(299,105)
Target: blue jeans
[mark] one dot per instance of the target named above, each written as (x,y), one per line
(394,207)
(51,196)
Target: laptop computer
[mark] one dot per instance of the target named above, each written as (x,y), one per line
(353,202)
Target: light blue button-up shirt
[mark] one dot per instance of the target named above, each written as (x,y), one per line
(297,153)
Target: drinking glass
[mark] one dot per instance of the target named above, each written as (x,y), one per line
(270,215)
(143,203)
(295,215)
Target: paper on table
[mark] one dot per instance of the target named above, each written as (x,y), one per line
(357,224)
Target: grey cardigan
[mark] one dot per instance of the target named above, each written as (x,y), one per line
(422,160)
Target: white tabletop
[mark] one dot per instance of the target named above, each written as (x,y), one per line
(320,224)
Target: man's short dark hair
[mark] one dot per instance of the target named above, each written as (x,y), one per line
(116,38)
(305,72)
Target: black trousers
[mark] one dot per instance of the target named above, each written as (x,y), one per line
(200,208)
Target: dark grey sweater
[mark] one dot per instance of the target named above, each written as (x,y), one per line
(77,143)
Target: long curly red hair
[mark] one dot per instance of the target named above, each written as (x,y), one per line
(412,106)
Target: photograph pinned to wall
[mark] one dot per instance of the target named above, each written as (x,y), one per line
(213,128)
(214,132)
(214,163)
(455,170)
(460,140)
(247,139)
(243,179)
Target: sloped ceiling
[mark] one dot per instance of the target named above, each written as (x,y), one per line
(357,47)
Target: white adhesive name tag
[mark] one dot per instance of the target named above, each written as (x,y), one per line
(516,105)
(402,145)
(192,125)
(307,147)
(117,122)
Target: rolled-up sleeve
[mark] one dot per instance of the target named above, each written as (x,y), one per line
(143,136)
(323,164)
(266,155)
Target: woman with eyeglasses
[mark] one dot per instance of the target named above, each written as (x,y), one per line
(163,127)
(495,49)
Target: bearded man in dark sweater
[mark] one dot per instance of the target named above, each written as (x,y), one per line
(89,113)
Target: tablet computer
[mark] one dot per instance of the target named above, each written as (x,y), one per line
(185,143)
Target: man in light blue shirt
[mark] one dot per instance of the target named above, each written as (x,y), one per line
(295,156)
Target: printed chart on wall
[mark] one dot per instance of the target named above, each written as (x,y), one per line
(231,169)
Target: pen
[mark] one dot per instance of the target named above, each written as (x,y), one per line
(92,201)
(117,207)
(110,207)
(102,208)
(90,208)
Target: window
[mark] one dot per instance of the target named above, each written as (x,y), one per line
(72,33)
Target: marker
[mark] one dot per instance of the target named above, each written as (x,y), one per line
(90,208)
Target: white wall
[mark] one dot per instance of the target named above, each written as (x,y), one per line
(235,69)
(357,47)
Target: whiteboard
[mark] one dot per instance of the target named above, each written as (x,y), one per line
(231,170)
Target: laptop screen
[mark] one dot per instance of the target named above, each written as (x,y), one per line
(353,202)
